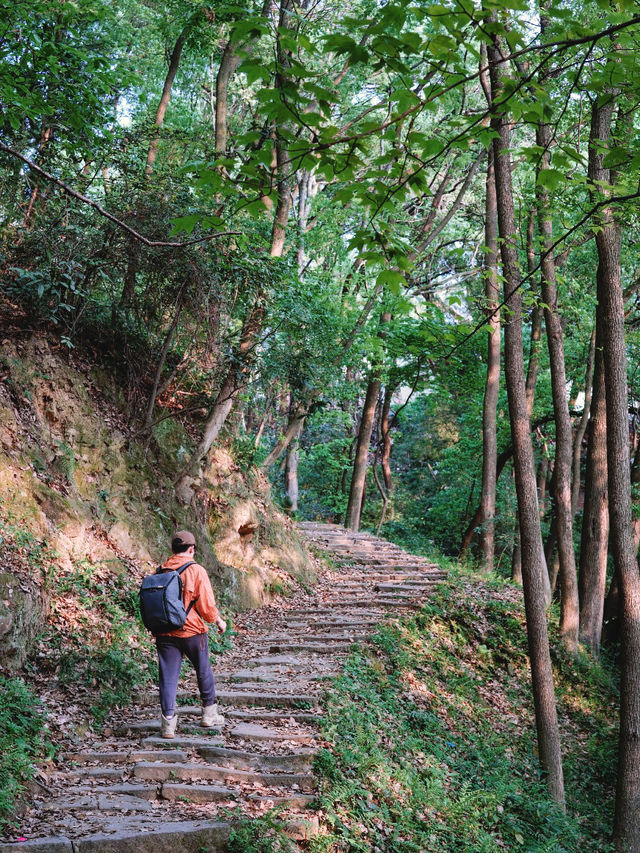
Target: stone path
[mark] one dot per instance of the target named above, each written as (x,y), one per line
(130,791)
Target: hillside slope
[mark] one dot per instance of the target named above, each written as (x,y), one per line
(77,481)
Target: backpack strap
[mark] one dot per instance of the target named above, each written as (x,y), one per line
(184,566)
(180,571)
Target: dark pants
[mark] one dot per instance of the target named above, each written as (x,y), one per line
(171,650)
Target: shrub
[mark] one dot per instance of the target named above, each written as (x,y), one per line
(23,740)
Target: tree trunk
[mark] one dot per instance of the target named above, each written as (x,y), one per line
(492,382)
(569,608)
(228,64)
(582,425)
(359,476)
(296,418)
(635,485)
(503,457)
(225,398)
(535,335)
(242,356)
(594,543)
(533,568)
(385,436)
(611,310)
(161,361)
(45,136)
(174,62)
(533,363)
(291,471)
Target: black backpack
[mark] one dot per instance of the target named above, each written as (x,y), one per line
(161,605)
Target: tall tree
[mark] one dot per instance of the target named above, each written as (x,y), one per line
(569,607)
(489,434)
(533,564)
(360,464)
(611,312)
(594,544)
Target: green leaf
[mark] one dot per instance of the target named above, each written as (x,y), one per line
(255,71)
(185,224)
(392,280)
(616,157)
(550,178)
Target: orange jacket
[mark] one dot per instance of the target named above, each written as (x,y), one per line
(196,586)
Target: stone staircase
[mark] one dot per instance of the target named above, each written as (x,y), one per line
(130,791)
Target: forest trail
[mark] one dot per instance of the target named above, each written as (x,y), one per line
(129,790)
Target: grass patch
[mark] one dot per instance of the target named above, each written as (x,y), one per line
(23,742)
(432,738)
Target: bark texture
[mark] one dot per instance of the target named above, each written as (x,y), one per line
(582,424)
(594,543)
(174,62)
(492,382)
(533,568)
(360,464)
(569,608)
(611,311)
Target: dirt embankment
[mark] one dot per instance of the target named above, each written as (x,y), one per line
(73,475)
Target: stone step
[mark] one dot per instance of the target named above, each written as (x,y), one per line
(316,648)
(296,801)
(261,714)
(104,800)
(228,698)
(241,677)
(335,611)
(394,576)
(266,700)
(399,586)
(129,836)
(334,621)
(124,757)
(277,660)
(97,773)
(162,772)
(195,793)
(378,602)
(310,636)
(291,762)
(153,725)
(254,731)
(282,685)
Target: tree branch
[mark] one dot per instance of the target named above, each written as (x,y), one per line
(152,244)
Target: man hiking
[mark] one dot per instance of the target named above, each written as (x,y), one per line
(191,640)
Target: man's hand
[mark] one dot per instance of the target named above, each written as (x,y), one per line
(221,625)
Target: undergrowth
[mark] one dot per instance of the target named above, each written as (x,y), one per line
(264,834)
(432,738)
(95,639)
(23,741)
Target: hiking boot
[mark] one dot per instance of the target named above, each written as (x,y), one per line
(168,726)
(211,718)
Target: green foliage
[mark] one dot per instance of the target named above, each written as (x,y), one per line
(264,834)
(324,464)
(115,670)
(23,742)
(430,741)
(108,650)
(221,643)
